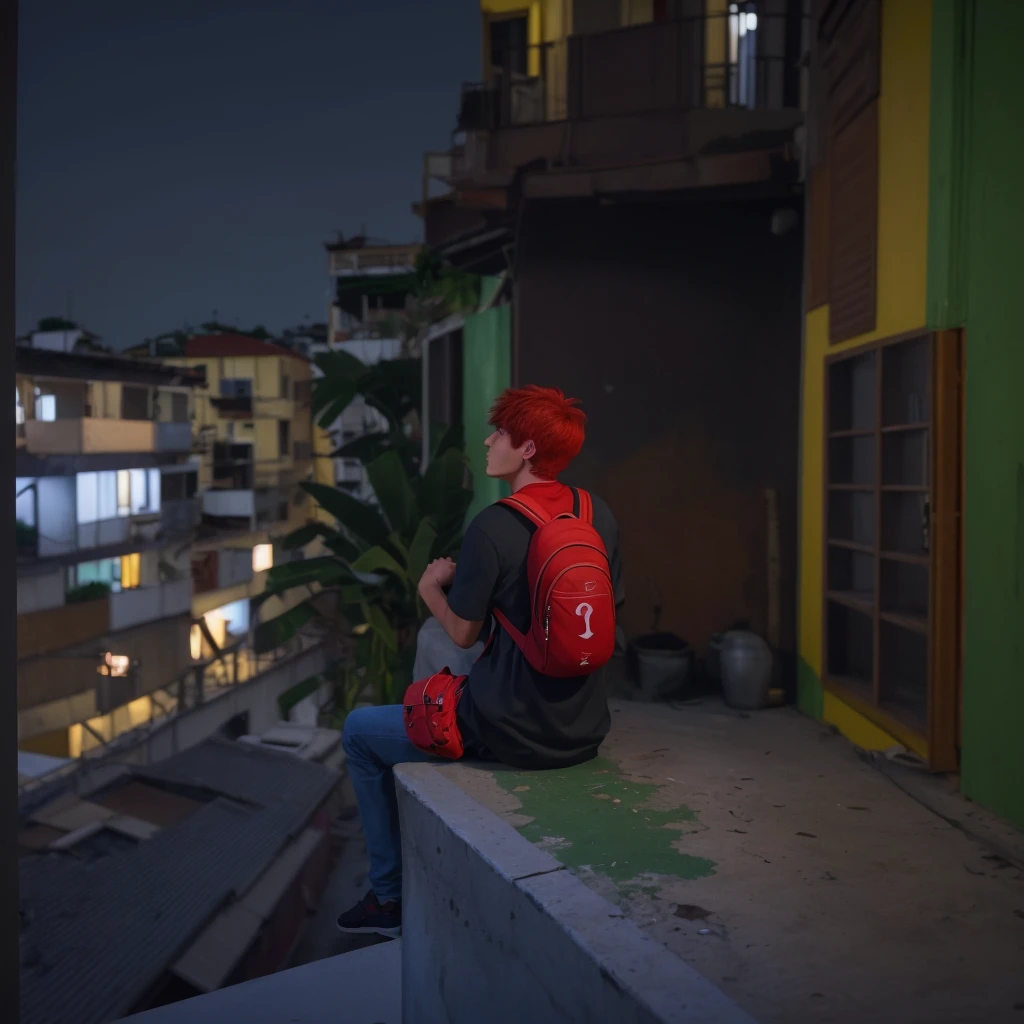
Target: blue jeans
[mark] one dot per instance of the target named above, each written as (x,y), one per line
(375,741)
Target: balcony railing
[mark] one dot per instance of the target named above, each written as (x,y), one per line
(373,261)
(229,503)
(179,517)
(238,406)
(148,604)
(733,59)
(173,437)
(66,626)
(90,435)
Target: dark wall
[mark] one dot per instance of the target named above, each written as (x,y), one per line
(678,326)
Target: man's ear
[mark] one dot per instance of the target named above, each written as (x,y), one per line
(529,450)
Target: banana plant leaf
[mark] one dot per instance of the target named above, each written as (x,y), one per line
(391,485)
(278,631)
(325,571)
(362,522)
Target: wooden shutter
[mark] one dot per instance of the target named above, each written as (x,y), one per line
(849,43)
(853,227)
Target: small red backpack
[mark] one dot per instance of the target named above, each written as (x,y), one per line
(572,616)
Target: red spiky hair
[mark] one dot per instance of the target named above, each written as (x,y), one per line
(555,424)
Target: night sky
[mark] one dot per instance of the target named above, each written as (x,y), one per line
(178,157)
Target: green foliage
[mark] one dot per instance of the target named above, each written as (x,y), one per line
(87,592)
(366,586)
(56,323)
(457,291)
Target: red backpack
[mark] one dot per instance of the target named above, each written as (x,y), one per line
(572,618)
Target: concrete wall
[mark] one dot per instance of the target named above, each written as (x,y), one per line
(495,929)
(678,326)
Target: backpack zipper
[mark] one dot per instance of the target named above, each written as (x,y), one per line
(568,568)
(540,575)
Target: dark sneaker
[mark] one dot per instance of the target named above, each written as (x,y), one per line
(369,916)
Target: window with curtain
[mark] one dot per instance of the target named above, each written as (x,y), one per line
(87,497)
(124,492)
(131,570)
(138,491)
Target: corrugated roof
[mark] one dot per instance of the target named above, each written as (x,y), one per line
(214,955)
(214,346)
(243,771)
(98,936)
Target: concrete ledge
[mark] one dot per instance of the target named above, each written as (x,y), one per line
(495,929)
(360,987)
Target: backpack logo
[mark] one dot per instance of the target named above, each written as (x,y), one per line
(585,611)
(586,660)
(589,588)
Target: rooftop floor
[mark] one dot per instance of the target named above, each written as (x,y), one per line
(763,851)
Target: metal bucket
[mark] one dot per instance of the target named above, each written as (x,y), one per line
(660,664)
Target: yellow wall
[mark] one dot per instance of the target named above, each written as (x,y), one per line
(268,407)
(902,280)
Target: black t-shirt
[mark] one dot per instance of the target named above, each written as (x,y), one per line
(509,712)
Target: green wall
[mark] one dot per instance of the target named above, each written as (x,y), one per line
(975,262)
(486,372)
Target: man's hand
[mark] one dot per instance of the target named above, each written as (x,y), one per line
(440,572)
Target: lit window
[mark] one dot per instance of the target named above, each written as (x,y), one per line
(115,664)
(19,409)
(46,408)
(106,484)
(86,485)
(262,557)
(131,570)
(218,627)
(124,492)
(139,498)
(195,643)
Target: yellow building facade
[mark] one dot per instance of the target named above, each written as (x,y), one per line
(901,278)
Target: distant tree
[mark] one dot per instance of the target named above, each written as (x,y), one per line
(56,323)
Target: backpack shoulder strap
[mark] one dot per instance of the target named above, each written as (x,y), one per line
(533,512)
(583,506)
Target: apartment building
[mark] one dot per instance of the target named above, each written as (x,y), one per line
(106,504)
(371,286)
(254,442)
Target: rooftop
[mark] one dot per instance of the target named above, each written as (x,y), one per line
(228,345)
(100,366)
(795,875)
(100,927)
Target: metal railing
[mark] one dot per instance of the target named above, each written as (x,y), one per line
(205,681)
(738,58)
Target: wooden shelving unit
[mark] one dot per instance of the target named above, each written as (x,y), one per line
(878,559)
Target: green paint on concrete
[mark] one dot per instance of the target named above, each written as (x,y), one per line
(593,817)
(486,372)
(810,697)
(977,154)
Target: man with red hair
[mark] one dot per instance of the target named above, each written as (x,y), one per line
(508,711)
